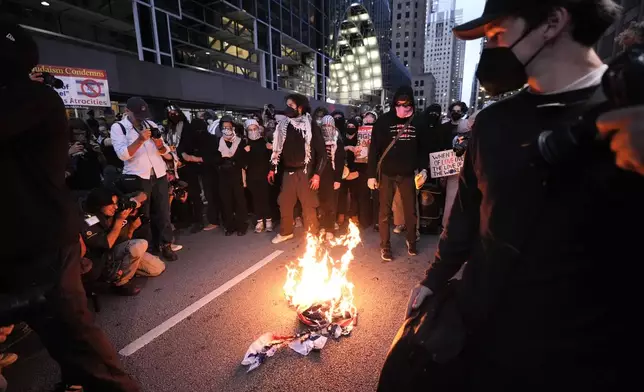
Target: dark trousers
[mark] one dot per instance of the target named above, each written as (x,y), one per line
(233,199)
(328,201)
(359,196)
(196,176)
(387,189)
(295,186)
(66,326)
(159,204)
(259,191)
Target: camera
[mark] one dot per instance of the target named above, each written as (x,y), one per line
(126,204)
(155,132)
(460,144)
(179,189)
(52,81)
(622,87)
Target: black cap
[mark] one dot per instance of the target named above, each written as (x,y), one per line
(138,107)
(494,10)
(18,50)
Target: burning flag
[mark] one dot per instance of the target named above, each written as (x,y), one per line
(317,286)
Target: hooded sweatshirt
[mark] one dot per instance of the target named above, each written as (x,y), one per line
(409,153)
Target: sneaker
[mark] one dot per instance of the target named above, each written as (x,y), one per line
(298,222)
(385,254)
(210,227)
(68,388)
(399,229)
(411,249)
(259,227)
(7,359)
(281,238)
(168,254)
(197,227)
(269,225)
(176,247)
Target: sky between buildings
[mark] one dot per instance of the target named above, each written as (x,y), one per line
(472,9)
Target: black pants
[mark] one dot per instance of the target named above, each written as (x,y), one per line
(387,189)
(259,191)
(233,199)
(295,186)
(66,326)
(157,208)
(359,196)
(328,201)
(196,176)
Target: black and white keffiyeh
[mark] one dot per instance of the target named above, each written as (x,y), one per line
(303,125)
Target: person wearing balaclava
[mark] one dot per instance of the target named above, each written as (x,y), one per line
(233,153)
(331,177)
(354,187)
(397,151)
(318,114)
(198,152)
(256,172)
(298,150)
(41,249)
(340,121)
(432,116)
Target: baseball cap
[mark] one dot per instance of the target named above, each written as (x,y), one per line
(138,107)
(18,50)
(494,10)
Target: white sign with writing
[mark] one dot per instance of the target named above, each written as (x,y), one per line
(81,86)
(445,163)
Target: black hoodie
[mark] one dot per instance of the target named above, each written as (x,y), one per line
(409,153)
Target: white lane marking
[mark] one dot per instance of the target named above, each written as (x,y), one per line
(179,317)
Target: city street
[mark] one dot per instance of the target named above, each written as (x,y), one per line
(203,351)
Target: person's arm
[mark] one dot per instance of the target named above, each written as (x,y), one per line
(319,150)
(374,150)
(241,155)
(459,236)
(117,226)
(340,158)
(123,150)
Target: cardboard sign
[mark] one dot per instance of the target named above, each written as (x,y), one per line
(82,86)
(445,163)
(364,141)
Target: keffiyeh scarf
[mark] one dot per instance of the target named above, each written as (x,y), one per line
(303,125)
(228,152)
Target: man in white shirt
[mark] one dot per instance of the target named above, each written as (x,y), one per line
(142,152)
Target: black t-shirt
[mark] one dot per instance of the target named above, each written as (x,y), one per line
(293,152)
(39,213)
(547,247)
(258,160)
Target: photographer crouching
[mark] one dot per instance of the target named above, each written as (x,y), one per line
(110,224)
(40,281)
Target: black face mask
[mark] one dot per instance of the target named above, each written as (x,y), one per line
(455,116)
(290,112)
(500,71)
(351,131)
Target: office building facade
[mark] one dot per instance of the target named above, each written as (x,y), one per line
(239,53)
(444,54)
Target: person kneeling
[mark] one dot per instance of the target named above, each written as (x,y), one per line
(110,224)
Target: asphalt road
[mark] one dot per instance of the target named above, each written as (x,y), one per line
(204,351)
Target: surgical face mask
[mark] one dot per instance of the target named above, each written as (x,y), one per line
(228,133)
(404,110)
(290,112)
(501,71)
(254,133)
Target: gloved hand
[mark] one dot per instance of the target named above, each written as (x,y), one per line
(372,184)
(416,298)
(420,179)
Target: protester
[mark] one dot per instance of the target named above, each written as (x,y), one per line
(86,161)
(319,114)
(355,185)
(331,176)
(212,120)
(298,147)
(633,35)
(232,159)
(145,170)
(199,151)
(340,122)
(256,172)
(34,121)
(535,318)
(397,150)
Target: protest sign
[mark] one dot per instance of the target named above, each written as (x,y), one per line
(364,141)
(81,86)
(445,163)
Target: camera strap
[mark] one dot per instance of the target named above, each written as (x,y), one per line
(391,145)
(122,128)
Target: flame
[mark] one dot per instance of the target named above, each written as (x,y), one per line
(319,279)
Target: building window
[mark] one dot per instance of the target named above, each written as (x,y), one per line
(399,5)
(407,34)
(413,53)
(416,5)
(406,64)
(422,93)
(398,45)
(415,93)
(397,54)
(406,53)
(406,44)
(397,35)
(407,14)
(422,83)
(416,83)
(399,16)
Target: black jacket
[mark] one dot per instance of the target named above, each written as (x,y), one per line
(200,144)
(258,160)
(39,214)
(547,247)
(339,162)
(293,151)
(410,151)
